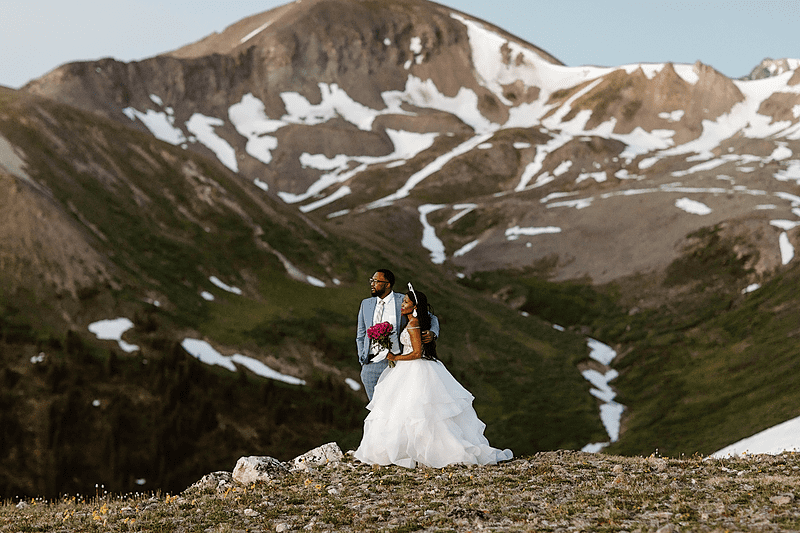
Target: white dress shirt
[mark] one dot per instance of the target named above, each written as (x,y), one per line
(387,314)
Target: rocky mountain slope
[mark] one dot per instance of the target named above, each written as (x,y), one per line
(238,190)
(105,225)
(485,145)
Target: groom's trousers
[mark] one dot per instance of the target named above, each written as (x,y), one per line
(370,374)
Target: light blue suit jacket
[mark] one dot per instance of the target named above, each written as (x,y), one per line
(365,316)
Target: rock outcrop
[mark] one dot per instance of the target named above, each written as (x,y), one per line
(253,469)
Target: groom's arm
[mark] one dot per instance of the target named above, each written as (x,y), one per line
(434,325)
(426,337)
(361,331)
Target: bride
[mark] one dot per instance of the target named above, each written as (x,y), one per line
(419,413)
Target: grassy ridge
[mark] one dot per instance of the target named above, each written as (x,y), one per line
(552,491)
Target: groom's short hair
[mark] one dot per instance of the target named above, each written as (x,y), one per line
(389,275)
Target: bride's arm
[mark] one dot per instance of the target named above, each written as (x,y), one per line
(416,343)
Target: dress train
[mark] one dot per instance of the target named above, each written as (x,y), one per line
(420,413)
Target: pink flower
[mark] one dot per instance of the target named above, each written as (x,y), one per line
(379,334)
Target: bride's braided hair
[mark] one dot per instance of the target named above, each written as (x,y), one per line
(424,311)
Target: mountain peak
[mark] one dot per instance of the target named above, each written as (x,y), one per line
(772,67)
(381,26)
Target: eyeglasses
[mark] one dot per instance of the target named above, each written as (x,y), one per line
(373,281)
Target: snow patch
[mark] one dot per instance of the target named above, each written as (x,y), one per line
(353,384)
(407,145)
(335,103)
(112,330)
(202,127)
(464,208)
(599,177)
(787,250)
(562,168)
(514,233)
(687,72)
(205,353)
(216,281)
(255,32)
(581,203)
(466,248)
(339,194)
(781,152)
(674,116)
(429,170)
(784,437)
(785,225)
(750,288)
(430,241)
(542,151)
(692,206)
(790,173)
(159,123)
(250,119)
(610,411)
(315,282)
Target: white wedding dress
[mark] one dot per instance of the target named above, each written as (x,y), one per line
(419,413)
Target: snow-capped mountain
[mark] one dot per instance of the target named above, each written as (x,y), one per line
(773,67)
(344,109)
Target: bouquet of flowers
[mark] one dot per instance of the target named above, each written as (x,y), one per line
(379,335)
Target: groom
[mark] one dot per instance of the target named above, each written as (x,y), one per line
(383,306)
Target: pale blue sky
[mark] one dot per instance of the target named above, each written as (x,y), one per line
(732,36)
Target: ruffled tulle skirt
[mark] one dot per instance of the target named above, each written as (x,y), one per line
(419,413)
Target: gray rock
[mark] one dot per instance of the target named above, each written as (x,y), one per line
(219,481)
(320,456)
(258,468)
(782,499)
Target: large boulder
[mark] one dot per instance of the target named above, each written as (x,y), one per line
(320,456)
(258,468)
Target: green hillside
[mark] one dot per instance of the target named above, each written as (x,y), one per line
(701,365)
(163,220)
(716,367)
